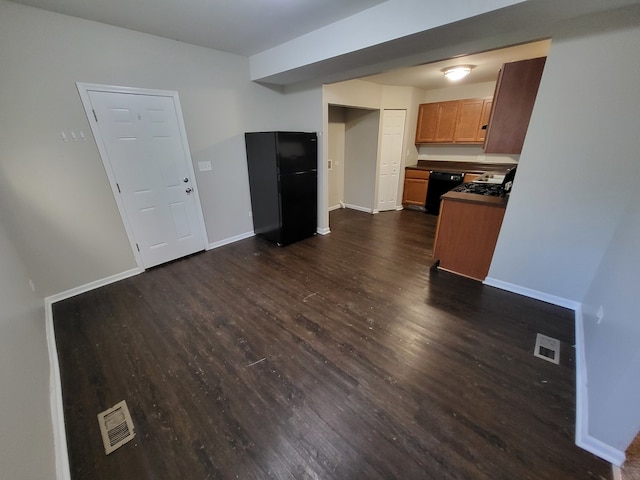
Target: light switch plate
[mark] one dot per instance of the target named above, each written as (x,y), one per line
(204,166)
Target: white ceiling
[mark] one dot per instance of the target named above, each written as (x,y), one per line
(243,27)
(486,67)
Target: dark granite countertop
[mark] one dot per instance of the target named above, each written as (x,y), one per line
(486,189)
(487,200)
(461,167)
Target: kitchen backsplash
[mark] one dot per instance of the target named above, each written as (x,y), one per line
(462,153)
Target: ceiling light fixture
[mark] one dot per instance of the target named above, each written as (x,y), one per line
(457,72)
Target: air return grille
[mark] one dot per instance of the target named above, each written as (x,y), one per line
(116,427)
(547,348)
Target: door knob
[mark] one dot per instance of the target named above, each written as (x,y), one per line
(189,190)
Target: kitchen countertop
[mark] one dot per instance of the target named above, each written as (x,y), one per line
(490,201)
(461,167)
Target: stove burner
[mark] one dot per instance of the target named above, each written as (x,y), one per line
(489,189)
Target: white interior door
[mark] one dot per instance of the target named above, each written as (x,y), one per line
(142,137)
(390,158)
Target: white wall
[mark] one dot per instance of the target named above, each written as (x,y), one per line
(388,21)
(361,157)
(368,95)
(335,155)
(459,92)
(55,196)
(26,436)
(573,174)
(58,219)
(571,227)
(612,347)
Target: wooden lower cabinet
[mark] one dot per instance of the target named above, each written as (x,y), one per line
(415,187)
(467,232)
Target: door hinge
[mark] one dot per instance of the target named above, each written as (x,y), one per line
(119,191)
(138,247)
(94,115)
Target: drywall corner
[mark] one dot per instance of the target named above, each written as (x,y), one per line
(55,398)
(583,439)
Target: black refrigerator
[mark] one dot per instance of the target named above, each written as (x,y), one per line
(283,179)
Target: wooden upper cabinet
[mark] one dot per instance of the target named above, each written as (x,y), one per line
(436,122)
(447,117)
(427,123)
(484,120)
(513,101)
(468,123)
(456,121)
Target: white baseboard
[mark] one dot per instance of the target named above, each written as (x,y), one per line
(93,285)
(226,241)
(601,449)
(583,439)
(324,231)
(399,207)
(61,456)
(531,293)
(358,208)
(55,384)
(617,473)
(335,207)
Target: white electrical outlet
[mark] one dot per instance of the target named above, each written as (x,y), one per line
(600,314)
(204,166)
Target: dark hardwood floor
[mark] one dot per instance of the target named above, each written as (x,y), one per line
(340,357)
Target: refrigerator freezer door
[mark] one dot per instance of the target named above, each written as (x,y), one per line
(297,152)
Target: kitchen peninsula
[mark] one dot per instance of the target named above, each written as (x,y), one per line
(467,232)
(470,215)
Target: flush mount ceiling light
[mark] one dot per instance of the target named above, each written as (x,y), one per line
(457,72)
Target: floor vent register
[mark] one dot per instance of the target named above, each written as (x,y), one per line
(116,427)
(547,348)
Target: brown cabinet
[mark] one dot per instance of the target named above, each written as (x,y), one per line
(513,101)
(457,121)
(484,120)
(437,122)
(467,232)
(468,124)
(415,187)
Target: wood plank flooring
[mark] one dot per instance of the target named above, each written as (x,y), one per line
(339,357)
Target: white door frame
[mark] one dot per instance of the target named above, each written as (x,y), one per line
(380,152)
(83,90)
